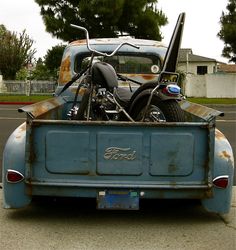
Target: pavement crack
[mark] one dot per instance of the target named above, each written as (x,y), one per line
(226,222)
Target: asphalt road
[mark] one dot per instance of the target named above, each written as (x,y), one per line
(10,119)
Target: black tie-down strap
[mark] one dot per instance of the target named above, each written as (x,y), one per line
(74,78)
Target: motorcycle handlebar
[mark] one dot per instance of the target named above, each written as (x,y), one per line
(98,52)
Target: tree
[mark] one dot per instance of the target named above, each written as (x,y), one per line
(15,52)
(53,57)
(22,74)
(102,18)
(47,69)
(44,69)
(228,31)
(41,72)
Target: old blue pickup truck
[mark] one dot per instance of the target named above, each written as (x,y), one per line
(90,140)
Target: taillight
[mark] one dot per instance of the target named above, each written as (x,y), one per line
(14,176)
(221,181)
(171,90)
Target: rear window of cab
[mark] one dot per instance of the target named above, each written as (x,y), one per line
(123,63)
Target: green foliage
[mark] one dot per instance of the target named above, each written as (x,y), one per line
(53,59)
(22,74)
(228,31)
(141,19)
(102,18)
(15,52)
(44,69)
(41,72)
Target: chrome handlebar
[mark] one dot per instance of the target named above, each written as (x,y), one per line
(99,52)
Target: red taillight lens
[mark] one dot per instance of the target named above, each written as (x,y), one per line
(14,176)
(221,181)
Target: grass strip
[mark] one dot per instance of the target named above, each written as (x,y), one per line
(24,98)
(37,98)
(213,100)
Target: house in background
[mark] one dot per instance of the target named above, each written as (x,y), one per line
(226,68)
(193,64)
(206,77)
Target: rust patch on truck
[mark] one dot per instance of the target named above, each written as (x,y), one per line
(42,108)
(65,72)
(225,155)
(219,135)
(148,77)
(200,111)
(78,42)
(144,76)
(20,131)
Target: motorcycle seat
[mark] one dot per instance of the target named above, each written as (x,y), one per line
(122,96)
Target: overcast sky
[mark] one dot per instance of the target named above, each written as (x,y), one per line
(201,25)
(200,33)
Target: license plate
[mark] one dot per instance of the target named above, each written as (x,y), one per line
(118,200)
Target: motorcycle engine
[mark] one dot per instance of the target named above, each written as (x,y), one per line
(103,107)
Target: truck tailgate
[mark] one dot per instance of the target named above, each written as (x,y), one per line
(100,154)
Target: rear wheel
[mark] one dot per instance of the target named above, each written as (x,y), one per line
(158,110)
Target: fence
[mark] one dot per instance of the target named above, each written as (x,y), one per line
(211,86)
(27,87)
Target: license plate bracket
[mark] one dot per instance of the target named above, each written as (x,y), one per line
(118,200)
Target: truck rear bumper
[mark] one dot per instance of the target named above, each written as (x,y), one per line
(145,190)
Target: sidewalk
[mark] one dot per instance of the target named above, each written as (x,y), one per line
(230,219)
(52,226)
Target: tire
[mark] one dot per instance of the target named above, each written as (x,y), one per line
(158,111)
(148,85)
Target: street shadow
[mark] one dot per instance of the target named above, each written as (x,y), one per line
(83,211)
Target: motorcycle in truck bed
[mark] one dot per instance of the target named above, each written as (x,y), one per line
(90,141)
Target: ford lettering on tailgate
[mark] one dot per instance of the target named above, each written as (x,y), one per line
(118,154)
(114,153)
